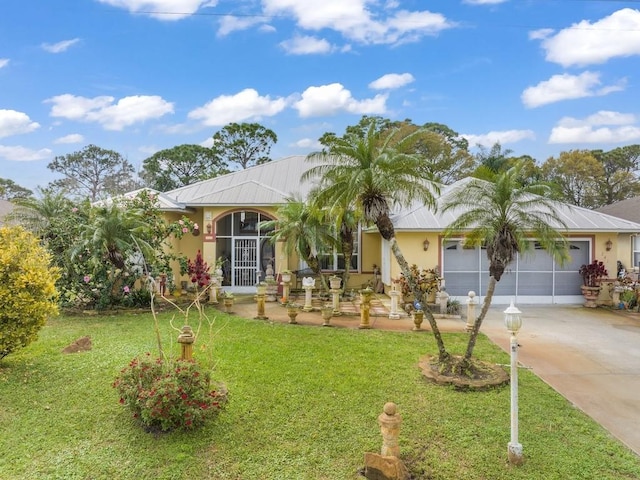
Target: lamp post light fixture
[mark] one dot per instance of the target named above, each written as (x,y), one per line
(513,322)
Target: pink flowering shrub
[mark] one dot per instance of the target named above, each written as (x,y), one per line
(168,395)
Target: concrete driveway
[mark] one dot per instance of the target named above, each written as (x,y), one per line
(590,356)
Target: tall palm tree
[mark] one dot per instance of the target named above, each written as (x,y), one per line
(504,216)
(301,229)
(375,173)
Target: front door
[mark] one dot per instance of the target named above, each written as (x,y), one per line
(245,262)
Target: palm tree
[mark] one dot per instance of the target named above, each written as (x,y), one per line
(116,234)
(302,230)
(375,173)
(504,216)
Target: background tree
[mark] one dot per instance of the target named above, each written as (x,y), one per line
(27,288)
(619,179)
(93,172)
(504,216)
(10,190)
(179,166)
(373,174)
(574,176)
(243,144)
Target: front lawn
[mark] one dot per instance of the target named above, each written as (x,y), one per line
(303,404)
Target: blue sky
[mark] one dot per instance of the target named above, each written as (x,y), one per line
(138,76)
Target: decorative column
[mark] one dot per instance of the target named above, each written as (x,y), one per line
(365,307)
(186,339)
(472,301)
(334,283)
(261,289)
(272,285)
(286,285)
(394,294)
(390,421)
(308,283)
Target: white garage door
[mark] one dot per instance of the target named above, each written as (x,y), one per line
(532,278)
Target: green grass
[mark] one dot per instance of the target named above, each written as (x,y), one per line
(304,403)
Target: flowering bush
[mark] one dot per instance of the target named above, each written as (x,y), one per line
(593,273)
(198,270)
(168,395)
(427,280)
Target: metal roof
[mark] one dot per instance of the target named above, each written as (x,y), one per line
(266,184)
(272,182)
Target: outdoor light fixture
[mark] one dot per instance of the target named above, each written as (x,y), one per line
(425,244)
(608,245)
(513,322)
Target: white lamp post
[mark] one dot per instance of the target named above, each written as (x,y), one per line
(513,322)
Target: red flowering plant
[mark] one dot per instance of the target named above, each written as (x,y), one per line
(593,273)
(168,395)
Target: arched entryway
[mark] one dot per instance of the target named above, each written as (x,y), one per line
(245,248)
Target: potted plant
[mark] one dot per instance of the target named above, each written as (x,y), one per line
(327,313)
(227,299)
(592,275)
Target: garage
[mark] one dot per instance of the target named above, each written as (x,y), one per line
(533,277)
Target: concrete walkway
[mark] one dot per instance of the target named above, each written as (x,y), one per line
(590,356)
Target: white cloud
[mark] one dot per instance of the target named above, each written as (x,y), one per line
(355,21)
(245,105)
(307,144)
(540,34)
(127,111)
(15,123)
(230,23)
(503,137)
(22,154)
(305,45)
(72,138)
(334,98)
(60,46)
(601,127)
(162,9)
(585,43)
(391,81)
(566,86)
(4,62)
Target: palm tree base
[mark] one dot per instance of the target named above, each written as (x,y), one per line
(474,375)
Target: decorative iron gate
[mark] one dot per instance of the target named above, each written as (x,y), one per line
(245,262)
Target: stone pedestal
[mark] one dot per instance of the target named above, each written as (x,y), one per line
(393,311)
(213,291)
(472,301)
(442,298)
(286,288)
(308,283)
(336,302)
(365,307)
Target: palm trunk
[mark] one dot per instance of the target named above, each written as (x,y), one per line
(404,266)
(347,251)
(314,265)
(476,328)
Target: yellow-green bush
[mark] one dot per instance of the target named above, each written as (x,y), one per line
(27,288)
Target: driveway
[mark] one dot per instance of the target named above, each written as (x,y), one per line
(590,356)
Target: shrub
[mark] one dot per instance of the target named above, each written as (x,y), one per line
(168,395)
(27,288)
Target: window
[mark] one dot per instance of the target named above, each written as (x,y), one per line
(334,260)
(636,251)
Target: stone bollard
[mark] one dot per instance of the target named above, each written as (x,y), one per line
(390,421)
(260,299)
(472,301)
(186,339)
(387,465)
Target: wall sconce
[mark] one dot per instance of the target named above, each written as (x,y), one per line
(608,245)
(425,244)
